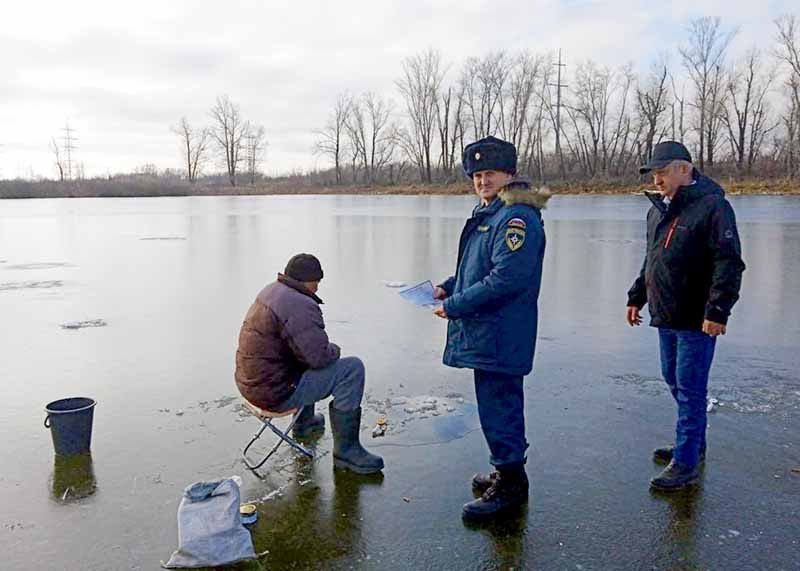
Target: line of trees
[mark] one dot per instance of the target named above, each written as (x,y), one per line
(231,139)
(739,116)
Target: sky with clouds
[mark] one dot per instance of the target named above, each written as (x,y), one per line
(123,73)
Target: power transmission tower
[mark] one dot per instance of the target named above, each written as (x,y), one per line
(69,146)
(558,85)
(250,147)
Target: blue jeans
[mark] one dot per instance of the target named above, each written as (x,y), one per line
(502,414)
(344,379)
(685,363)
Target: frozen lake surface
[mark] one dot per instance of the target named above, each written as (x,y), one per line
(138,303)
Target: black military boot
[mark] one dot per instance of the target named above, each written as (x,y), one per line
(347,450)
(482,482)
(675,476)
(308,423)
(664,455)
(509,490)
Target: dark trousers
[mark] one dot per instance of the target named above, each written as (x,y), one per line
(344,379)
(685,363)
(502,414)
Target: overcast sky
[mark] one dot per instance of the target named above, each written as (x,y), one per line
(122,73)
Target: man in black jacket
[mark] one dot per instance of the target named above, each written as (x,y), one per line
(690,278)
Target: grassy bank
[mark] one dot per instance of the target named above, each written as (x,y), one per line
(145,188)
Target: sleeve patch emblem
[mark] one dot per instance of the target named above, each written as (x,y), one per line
(517,223)
(515,238)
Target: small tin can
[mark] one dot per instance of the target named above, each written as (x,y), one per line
(249,513)
(380,427)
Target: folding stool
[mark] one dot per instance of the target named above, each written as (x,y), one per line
(266,417)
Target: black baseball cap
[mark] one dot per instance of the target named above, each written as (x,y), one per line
(663,154)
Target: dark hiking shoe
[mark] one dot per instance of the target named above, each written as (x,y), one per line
(308,423)
(675,476)
(664,455)
(482,482)
(508,491)
(347,450)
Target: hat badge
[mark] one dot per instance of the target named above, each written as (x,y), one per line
(477,156)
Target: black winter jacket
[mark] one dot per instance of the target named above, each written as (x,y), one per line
(693,267)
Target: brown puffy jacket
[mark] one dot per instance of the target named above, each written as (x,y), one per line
(282,336)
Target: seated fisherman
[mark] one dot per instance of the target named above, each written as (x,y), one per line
(285,361)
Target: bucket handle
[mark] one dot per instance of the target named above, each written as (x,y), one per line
(47,418)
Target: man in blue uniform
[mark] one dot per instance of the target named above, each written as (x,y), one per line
(491,307)
(690,278)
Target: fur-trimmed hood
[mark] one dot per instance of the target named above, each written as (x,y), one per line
(519,192)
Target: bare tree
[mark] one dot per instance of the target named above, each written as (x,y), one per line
(791,122)
(194,144)
(788,52)
(518,101)
(410,150)
(652,98)
(747,118)
(59,160)
(789,42)
(678,111)
(229,131)
(372,138)
(588,113)
(420,85)
(383,138)
(704,57)
(496,95)
(331,139)
(450,124)
(255,145)
(617,147)
(717,111)
(356,127)
(483,82)
(603,134)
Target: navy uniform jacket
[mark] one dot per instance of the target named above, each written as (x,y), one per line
(492,298)
(693,267)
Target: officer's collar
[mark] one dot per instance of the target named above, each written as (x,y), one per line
(491,208)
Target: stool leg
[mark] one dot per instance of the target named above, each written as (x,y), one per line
(247,461)
(284,436)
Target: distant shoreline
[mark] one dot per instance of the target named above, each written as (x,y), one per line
(135,189)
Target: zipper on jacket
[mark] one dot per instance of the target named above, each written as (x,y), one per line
(670,233)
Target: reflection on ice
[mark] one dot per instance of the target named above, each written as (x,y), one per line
(48,284)
(164,370)
(84,324)
(39,266)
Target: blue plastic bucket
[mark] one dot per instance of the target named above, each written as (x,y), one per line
(70,424)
